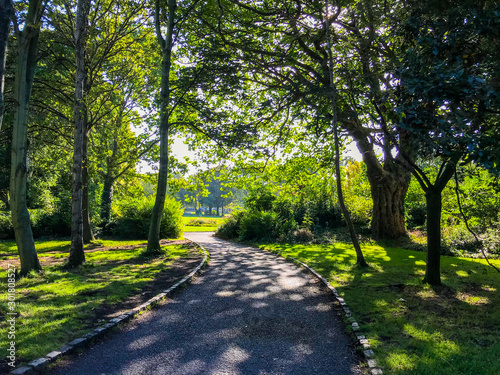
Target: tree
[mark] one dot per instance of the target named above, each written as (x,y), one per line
(360,260)
(114,58)
(117,151)
(6,12)
(447,98)
(166,44)
(283,47)
(25,71)
(77,255)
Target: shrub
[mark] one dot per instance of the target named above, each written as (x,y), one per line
(52,222)
(6,228)
(44,222)
(230,229)
(416,214)
(198,222)
(492,240)
(265,225)
(134,217)
(458,240)
(303,235)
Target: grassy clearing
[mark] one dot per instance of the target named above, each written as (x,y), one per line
(413,328)
(201,224)
(60,305)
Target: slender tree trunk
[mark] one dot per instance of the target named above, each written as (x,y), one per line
(107,198)
(77,255)
(360,259)
(109,180)
(88,236)
(433,269)
(161,191)
(26,63)
(433,200)
(5,14)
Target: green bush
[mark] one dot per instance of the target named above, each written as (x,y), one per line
(492,240)
(133,219)
(416,214)
(52,222)
(265,225)
(256,225)
(230,229)
(6,228)
(55,222)
(200,222)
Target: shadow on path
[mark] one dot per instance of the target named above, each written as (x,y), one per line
(249,313)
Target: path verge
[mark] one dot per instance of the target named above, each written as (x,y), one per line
(86,340)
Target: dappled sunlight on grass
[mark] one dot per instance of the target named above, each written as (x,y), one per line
(62,304)
(472,299)
(400,360)
(414,328)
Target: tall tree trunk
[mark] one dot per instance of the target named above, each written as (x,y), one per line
(77,255)
(109,180)
(433,269)
(26,63)
(88,236)
(161,191)
(5,14)
(360,259)
(107,198)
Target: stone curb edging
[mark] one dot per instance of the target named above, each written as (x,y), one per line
(39,364)
(360,337)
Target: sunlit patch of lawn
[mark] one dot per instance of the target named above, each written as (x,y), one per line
(201,224)
(60,305)
(199,229)
(412,327)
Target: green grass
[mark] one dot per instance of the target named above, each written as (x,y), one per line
(61,304)
(199,229)
(201,224)
(413,328)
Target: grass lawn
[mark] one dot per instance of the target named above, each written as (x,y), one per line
(201,224)
(413,328)
(60,305)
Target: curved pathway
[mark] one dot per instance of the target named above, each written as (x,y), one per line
(249,313)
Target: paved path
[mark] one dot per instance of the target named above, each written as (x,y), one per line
(250,312)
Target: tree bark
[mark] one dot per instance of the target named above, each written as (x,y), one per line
(26,63)
(107,198)
(5,14)
(433,200)
(161,191)
(77,255)
(109,180)
(388,195)
(88,236)
(433,268)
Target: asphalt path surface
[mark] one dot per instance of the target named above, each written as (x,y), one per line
(249,312)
